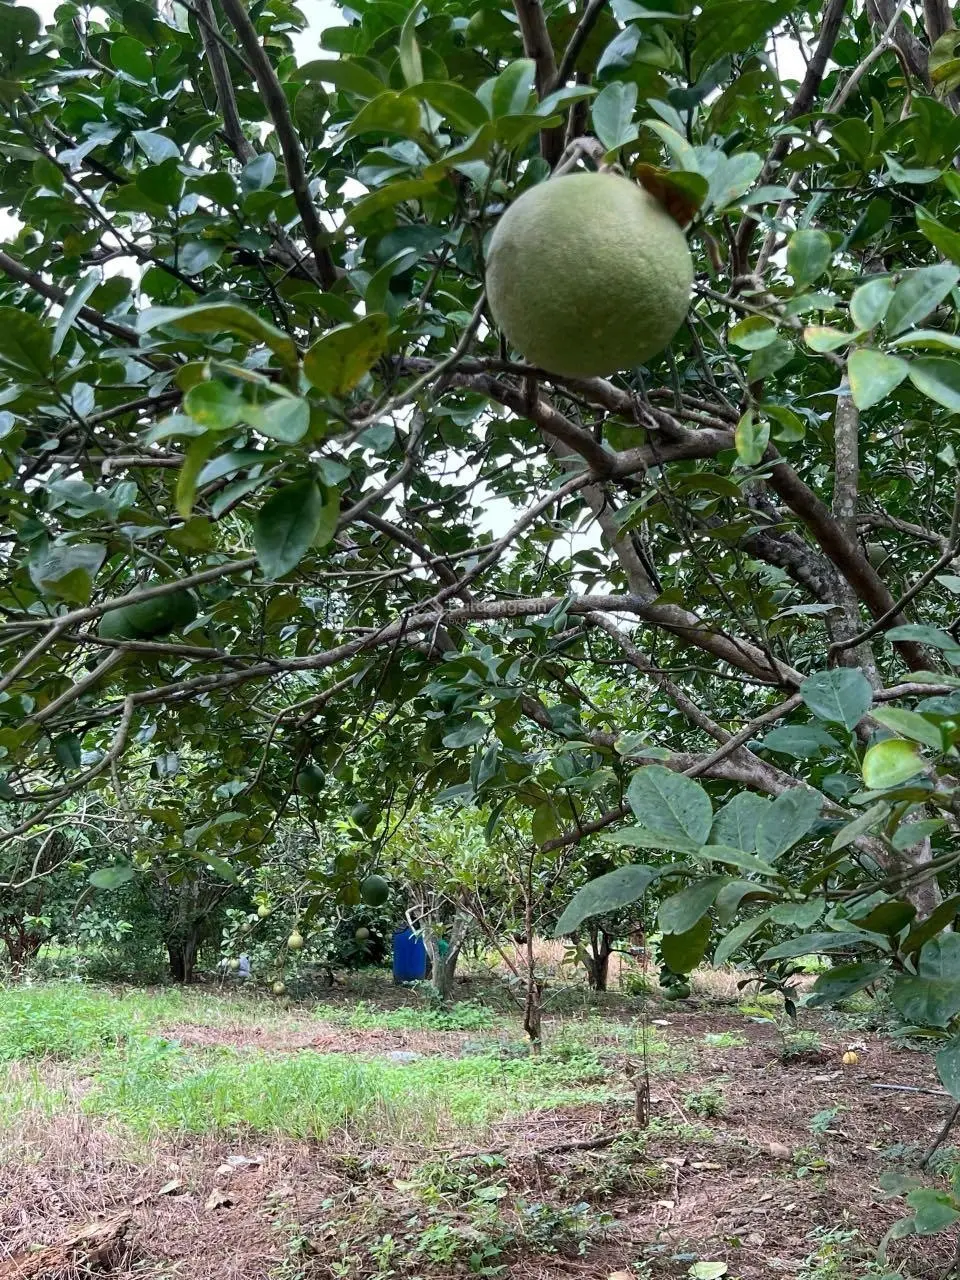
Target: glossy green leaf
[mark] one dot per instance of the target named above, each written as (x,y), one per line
(938,378)
(337,362)
(682,952)
(841,695)
(751,437)
(918,293)
(789,818)
(669,804)
(870,301)
(736,823)
(890,763)
(682,911)
(910,724)
(287,526)
(411,63)
(873,375)
(605,895)
(612,112)
(808,255)
(224,317)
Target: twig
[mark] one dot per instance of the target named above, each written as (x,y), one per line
(579,38)
(910,1088)
(17,271)
(941,1136)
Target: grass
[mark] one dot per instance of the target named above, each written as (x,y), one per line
(468,1015)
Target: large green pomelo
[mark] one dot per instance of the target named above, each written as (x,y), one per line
(374,891)
(311,780)
(149,618)
(588,274)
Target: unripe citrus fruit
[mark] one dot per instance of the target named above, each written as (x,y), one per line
(149,618)
(279,988)
(263,912)
(295,941)
(374,891)
(310,780)
(234,965)
(362,934)
(588,274)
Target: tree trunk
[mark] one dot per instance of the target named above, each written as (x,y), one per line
(183,956)
(22,944)
(596,959)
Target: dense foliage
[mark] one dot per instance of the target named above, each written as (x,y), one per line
(293,544)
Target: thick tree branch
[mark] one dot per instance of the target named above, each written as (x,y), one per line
(276,104)
(579,38)
(538,46)
(211,36)
(23,275)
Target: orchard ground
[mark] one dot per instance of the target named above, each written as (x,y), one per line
(359,1132)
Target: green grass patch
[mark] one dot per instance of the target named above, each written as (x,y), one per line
(62,1022)
(469,1015)
(156,1086)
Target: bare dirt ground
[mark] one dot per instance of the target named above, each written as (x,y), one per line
(744,1157)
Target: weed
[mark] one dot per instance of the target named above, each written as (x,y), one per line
(822,1121)
(837,1251)
(61,1022)
(795,1046)
(724,1039)
(706,1102)
(468,1015)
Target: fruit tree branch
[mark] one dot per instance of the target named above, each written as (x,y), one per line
(538,46)
(276,103)
(579,38)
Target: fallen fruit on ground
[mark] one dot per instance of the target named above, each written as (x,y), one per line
(149,619)
(587,274)
(374,891)
(850,1059)
(278,988)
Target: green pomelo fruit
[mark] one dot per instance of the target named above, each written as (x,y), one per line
(295,941)
(587,274)
(310,780)
(149,618)
(278,988)
(262,912)
(374,891)
(234,965)
(362,934)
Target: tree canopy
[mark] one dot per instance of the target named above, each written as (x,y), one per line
(278,498)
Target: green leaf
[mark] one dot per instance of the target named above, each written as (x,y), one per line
(389,112)
(215,405)
(224,317)
(859,826)
(932,997)
(870,301)
(911,833)
(842,982)
(934,1211)
(667,803)
(682,952)
(928,339)
(130,57)
(787,820)
(286,418)
(753,333)
(802,741)
(411,63)
(111,877)
(605,895)
(840,696)
(736,823)
(938,379)
(67,572)
(873,375)
(287,526)
(735,939)
(613,111)
(910,724)
(25,344)
(708,1270)
(461,107)
(948,1067)
(337,362)
(388,196)
(813,944)
(891,762)
(769,360)
(918,293)
(512,88)
(820,337)
(157,147)
(738,858)
(808,255)
(71,307)
(751,438)
(342,73)
(942,237)
(257,174)
(197,255)
(198,451)
(923,633)
(680,912)
(732,26)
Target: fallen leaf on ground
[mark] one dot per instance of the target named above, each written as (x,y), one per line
(218,1199)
